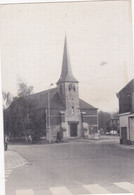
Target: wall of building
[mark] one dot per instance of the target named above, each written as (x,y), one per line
(131,122)
(55,118)
(125,98)
(91,118)
(68,91)
(124,123)
(133,102)
(73,119)
(128,122)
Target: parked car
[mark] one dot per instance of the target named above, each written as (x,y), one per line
(113,132)
(107,133)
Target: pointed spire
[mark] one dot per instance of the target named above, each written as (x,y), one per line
(66,73)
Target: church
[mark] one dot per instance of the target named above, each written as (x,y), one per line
(63,110)
(67,111)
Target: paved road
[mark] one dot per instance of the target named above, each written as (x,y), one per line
(78,167)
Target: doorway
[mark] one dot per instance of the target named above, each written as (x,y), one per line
(124,135)
(73,130)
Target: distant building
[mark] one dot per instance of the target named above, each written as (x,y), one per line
(126,113)
(62,109)
(113,124)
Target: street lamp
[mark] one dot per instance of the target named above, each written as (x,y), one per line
(49,122)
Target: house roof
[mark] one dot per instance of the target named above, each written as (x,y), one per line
(129,85)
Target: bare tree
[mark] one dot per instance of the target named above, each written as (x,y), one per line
(7,99)
(24,89)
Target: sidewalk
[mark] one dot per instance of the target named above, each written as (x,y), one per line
(14,160)
(126,146)
(102,139)
(106,139)
(114,140)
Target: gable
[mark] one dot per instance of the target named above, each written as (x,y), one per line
(129,88)
(85,105)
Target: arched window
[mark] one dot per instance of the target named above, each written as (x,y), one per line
(71,86)
(72,109)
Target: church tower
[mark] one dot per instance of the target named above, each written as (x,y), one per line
(68,90)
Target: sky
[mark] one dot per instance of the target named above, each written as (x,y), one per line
(99,37)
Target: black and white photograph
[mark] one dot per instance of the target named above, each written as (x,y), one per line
(67,77)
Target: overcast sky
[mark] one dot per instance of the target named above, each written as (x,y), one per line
(99,36)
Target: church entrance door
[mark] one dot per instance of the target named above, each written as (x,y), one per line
(73,130)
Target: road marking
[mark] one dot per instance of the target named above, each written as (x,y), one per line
(91,188)
(95,189)
(7,174)
(62,190)
(126,186)
(8,171)
(26,192)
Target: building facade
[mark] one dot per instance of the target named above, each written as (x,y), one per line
(126,113)
(77,118)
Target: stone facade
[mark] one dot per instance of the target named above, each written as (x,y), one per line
(69,93)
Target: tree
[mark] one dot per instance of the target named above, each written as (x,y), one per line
(7,99)
(23,89)
(16,116)
(103,120)
(24,92)
(21,118)
(115,114)
(15,119)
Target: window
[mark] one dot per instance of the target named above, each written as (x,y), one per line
(72,110)
(71,86)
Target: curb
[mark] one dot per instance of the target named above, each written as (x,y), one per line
(14,160)
(129,147)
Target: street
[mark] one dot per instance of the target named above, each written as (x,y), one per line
(77,167)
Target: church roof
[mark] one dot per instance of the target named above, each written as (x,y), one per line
(66,73)
(41,100)
(85,105)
